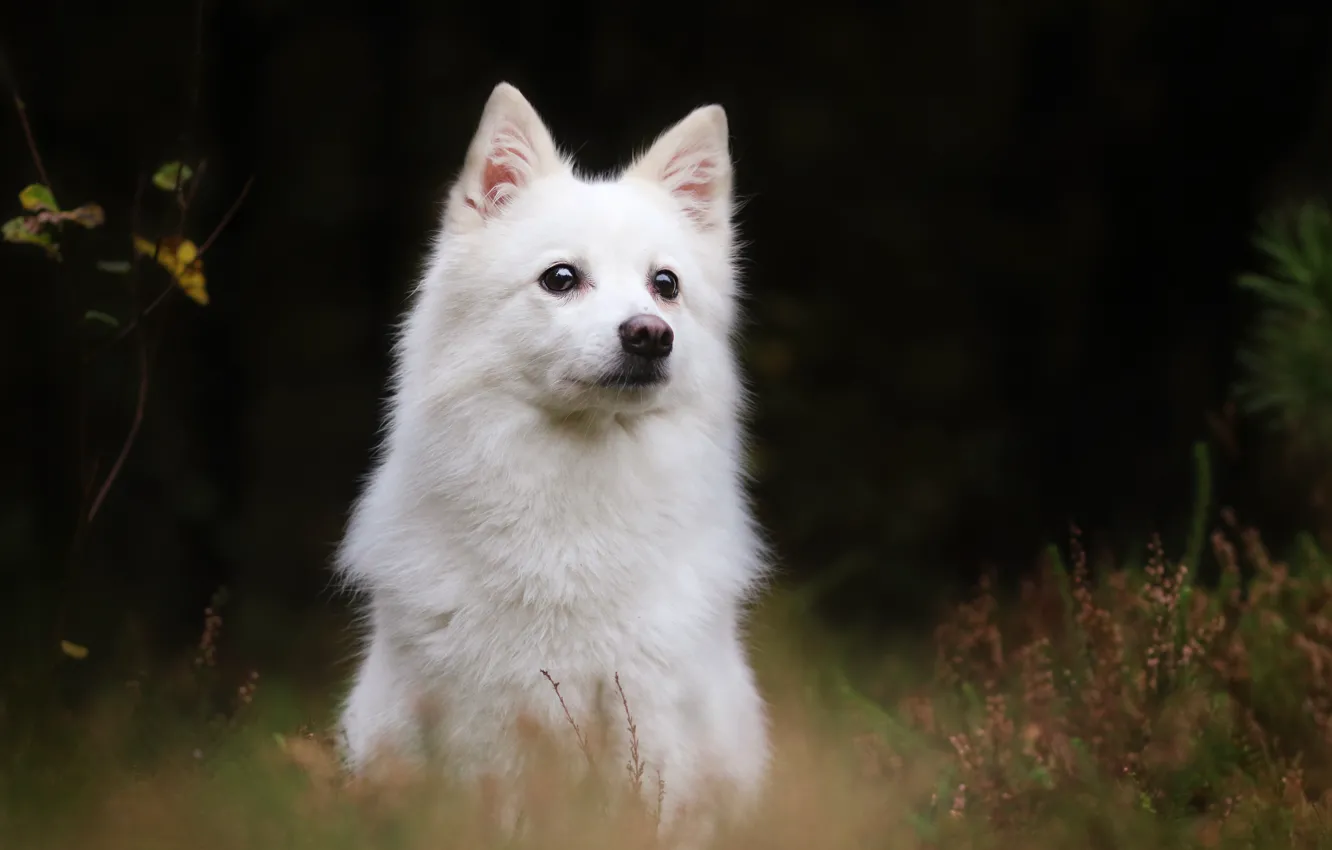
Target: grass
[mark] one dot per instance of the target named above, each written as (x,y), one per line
(1096,707)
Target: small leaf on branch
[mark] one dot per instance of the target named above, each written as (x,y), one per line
(74,650)
(172,175)
(27,230)
(180,257)
(38,198)
(88,215)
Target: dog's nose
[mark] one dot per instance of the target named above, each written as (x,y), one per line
(647,336)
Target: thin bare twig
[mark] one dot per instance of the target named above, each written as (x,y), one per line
(36,155)
(91,479)
(197,71)
(86,517)
(635,764)
(130,437)
(582,741)
(226,218)
(22,109)
(133,432)
(186,198)
(134,322)
(183,201)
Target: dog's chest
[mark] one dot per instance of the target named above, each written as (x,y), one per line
(591,559)
(576,554)
(585,519)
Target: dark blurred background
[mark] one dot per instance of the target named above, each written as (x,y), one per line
(992,264)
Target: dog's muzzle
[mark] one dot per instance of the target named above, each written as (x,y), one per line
(645,345)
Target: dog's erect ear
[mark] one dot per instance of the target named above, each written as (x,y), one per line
(511,148)
(693,161)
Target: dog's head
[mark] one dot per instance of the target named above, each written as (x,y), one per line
(612,293)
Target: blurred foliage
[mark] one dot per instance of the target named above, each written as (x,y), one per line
(1103,704)
(1288,359)
(37,628)
(45,218)
(179,256)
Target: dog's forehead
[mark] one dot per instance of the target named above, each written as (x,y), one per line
(611,215)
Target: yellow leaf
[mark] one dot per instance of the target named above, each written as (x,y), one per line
(180,257)
(73,650)
(187,252)
(193,284)
(144,246)
(38,197)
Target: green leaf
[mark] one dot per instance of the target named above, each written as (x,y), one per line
(104,318)
(1287,258)
(1286,362)
(1042,777)
(1279,292)
(172,175)
(925,828)
(114,266)
(21,231)
(38,197)
(1313,227)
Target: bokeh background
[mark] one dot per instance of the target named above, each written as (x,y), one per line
(993,253)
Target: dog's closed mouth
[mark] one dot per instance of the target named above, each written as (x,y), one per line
(633,373)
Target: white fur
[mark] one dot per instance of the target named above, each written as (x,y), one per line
(519,521)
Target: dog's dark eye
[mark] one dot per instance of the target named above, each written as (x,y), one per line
(559,279)
(666,284)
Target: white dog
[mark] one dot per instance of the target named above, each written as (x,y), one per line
(561,486)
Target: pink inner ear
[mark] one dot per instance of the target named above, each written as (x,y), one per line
(508,165)
(498,173)
(689,174)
